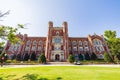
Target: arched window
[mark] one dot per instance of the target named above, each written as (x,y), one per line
(34,42)
(40,42)
(57,33)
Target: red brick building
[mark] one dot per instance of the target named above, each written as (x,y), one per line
(58,45)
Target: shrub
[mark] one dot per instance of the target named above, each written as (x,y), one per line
(13,56)
(107,57)
(80,57)
(18,57)
(33,56)
(42,58)
(25,57)
(93,56)
(71,58)
(118,56)
(87,57)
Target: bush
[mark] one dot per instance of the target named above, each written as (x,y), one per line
(87,57)
(25,57)
(33,56)
(80,57)
(42,58)
(13,56)
(93,56)
(107,57)
(71,58)
(18,57)
(118,56)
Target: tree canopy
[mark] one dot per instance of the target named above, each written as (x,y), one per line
(8,33)
(113,42)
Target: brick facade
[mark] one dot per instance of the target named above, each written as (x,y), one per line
(58,45)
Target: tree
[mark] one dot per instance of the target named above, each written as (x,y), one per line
(71,58)
(42,58)
(87,57)
(113,42)
(107,57)
(80,57)
(33,56)
(8,33)
(93,56)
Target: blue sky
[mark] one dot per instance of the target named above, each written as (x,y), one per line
(83,16)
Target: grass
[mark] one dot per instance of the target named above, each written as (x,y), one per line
(60,73)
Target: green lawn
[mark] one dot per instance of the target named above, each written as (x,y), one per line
(60,73)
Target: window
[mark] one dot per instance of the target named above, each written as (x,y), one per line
(85,43)
(97,42)
(33,48)
(57,33)
(80,42)
(74,43)
(98,45)
(40,42)
(11,48)
(28,42)
(27,48)
(34,42)
(57,48)
(39,48)
(75,48)
(86,49)
(80,48)
(57,40)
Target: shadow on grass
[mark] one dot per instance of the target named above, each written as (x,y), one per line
(59,78)
(1,78)
(9,76)
(35,77)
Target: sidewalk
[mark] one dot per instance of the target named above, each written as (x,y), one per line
(96,65)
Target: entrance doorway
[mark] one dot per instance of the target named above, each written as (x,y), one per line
(57,57)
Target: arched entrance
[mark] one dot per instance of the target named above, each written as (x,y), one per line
(57,57)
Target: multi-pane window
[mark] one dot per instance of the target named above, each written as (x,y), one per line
(39,48)
(28,42)
(97,42)
(33,48)
(98,45)
(85,43)
(74,43)
(40,42)
(27,48)
(80,42)
(86,49)
(57,40)
(80,48)
(11,48)
(57,48)
(75,48)
(34,42)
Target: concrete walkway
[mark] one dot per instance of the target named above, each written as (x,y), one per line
(96,65)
